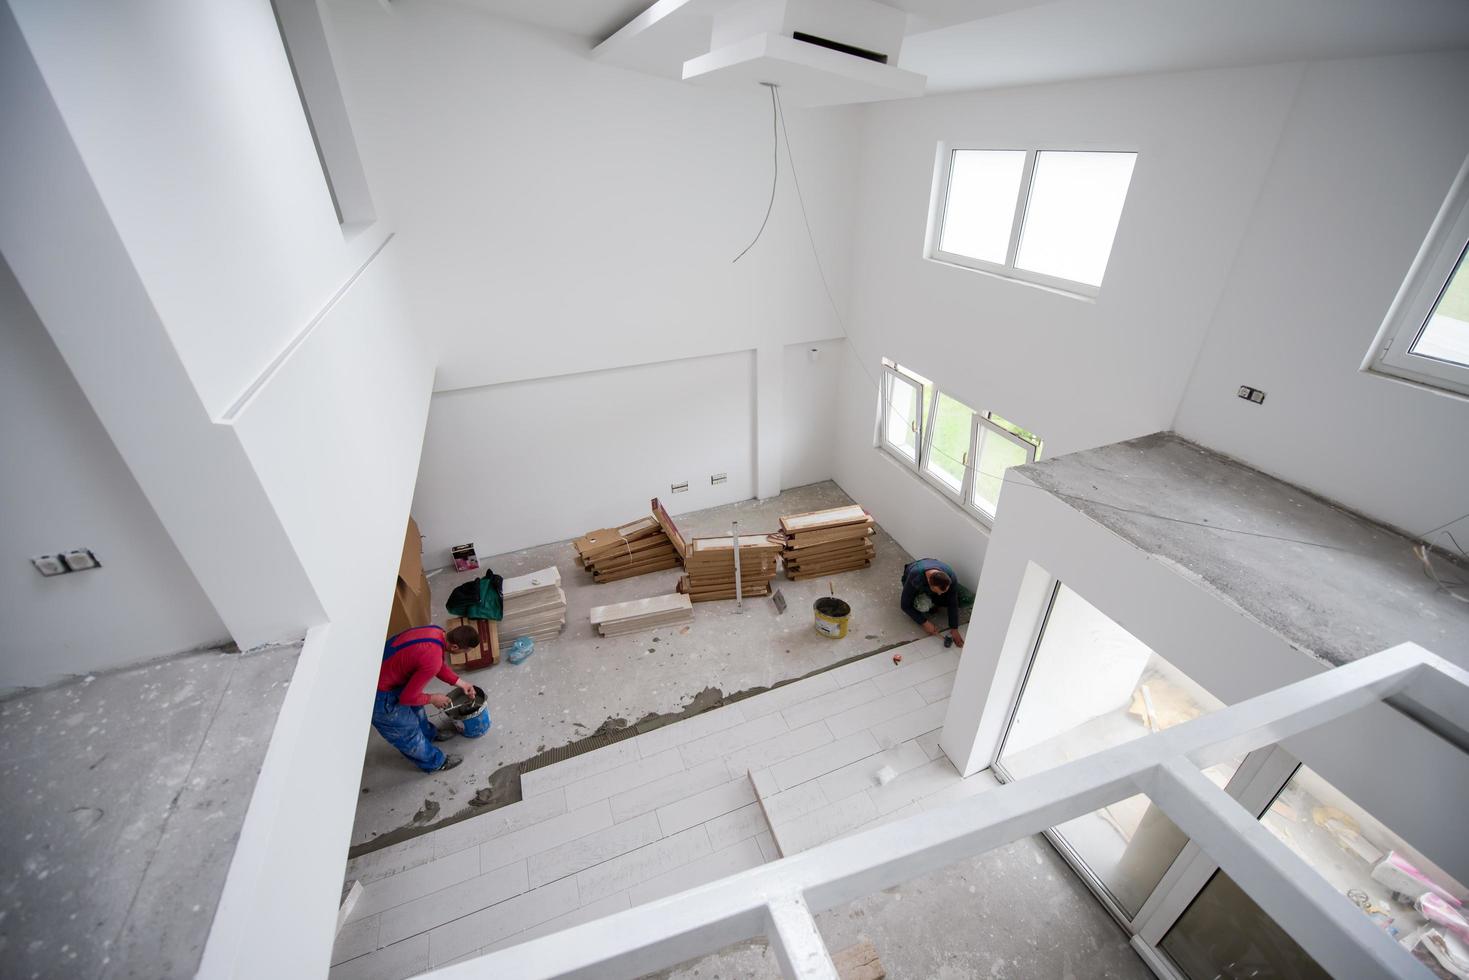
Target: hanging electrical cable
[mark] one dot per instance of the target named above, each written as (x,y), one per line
(774,171)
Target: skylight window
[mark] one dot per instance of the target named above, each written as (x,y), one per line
(1044,216)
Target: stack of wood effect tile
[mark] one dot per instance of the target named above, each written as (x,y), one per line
(711,571)
(615,553)
(642,614)
(825,542)
(535,606)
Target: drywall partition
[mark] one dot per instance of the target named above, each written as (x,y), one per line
(561,216)
(1369,151)
(1079,372)
(65,486)
(513,465)
(335,436)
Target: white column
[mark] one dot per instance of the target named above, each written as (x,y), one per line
(769,371)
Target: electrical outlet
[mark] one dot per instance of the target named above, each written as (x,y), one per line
(1251,394)
(679,487)
(80,559)
(718,478)
(49,565)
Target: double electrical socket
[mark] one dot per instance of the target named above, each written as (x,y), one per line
(76,560)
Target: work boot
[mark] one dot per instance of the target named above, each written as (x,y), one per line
(450,761)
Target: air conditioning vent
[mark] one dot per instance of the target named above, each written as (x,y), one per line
(824,42)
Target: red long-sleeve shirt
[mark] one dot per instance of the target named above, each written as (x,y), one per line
(408,670)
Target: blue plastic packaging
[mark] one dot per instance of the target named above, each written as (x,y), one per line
(522,648)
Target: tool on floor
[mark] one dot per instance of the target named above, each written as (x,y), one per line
(779,598)
(948,642)
(739,587)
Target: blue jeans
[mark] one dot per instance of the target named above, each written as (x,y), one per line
(407,729)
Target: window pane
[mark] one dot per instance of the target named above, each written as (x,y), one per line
(980,208)
(1380,872)
(899,414)
(996,455)
(1445,336)
(1092,686)
(951,427)
(1071,217)
(1223,933)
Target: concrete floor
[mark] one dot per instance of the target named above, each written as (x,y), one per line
(572,686)
(1333,583)
(124,795)
(1017,911)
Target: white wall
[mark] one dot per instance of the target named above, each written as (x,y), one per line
(562,216)
(513,465)
(1369,151)
(251,248)
(1079,373)
(162,207)
(65,486)
(810,395)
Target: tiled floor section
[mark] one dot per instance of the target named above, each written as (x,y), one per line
(660,813)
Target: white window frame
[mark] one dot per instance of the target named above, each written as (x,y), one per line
(983,419)
(923,428)
(893,372)
(938,209)
(1407,317)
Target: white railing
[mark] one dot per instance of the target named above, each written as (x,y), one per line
(778,899)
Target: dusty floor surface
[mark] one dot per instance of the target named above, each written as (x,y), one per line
(124,795)
(1016,912)
(572,686)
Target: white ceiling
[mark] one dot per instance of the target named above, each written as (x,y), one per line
(972,44)
(1069,39)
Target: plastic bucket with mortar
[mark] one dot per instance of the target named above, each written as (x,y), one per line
(471,717)
(831,617)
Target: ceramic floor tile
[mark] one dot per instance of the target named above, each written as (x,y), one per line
(765,754)
(820,761)
(832,703)
(580,854)
(780,698)
(405,959)
(640,772)
(453,939)
(735,826)
(705,806)
(630,869)
(544,836)
(721,744)
(936,688)
(627,805)
(454,902)
(912,672)
(860,776)
(911,725)
(731,860)
(872,713)
(680,732)
(568,771)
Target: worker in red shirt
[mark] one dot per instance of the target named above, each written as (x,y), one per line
(410,660)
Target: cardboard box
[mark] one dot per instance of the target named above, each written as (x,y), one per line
(411,598)
(464,557)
